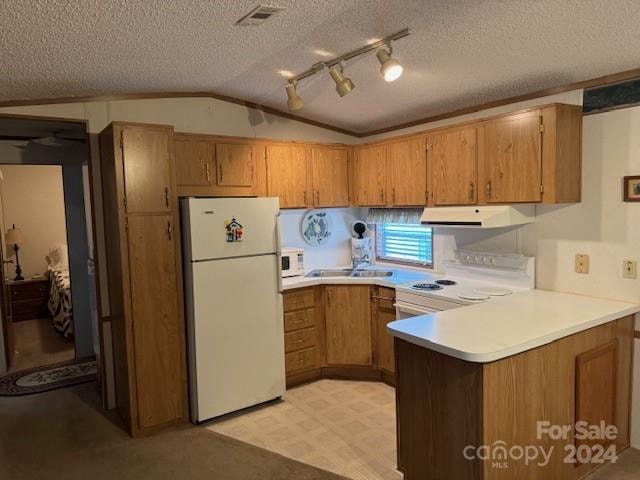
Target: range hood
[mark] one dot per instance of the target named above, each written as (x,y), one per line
(489,216)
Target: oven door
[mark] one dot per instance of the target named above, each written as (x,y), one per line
(406,310)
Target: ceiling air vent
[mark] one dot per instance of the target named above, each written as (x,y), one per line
(259,15)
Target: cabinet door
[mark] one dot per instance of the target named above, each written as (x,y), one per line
(384,312)
(147,155)
(369,175)
(407,167)
(287,175)
(510,158)
(235,165)
(157,335)
(596,388)
(453,167)
(194,162)
(348,325)
(330,177)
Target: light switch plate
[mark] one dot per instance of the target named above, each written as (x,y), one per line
(630,269)
(582,263)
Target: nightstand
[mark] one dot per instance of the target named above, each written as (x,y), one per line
(28,299)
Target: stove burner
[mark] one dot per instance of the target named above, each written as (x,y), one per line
(446,282)
(426,286)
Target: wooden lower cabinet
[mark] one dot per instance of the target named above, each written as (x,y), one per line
(383,312)
(348,325)
(339,331)
(586,376)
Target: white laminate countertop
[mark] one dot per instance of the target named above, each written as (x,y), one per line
(508,325)
(399,277)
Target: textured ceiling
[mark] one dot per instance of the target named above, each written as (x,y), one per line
(459,53)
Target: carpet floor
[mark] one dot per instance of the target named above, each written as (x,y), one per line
(64,434)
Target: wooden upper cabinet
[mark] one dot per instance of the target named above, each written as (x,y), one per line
(287,175)
(330,177)
(453,167)
(369,176)
(407,173)
(348,325)
(510,159)
(194,162)
(207,166)
(235,165)
(147,158)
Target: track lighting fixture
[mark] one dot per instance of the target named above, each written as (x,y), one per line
(343,84)
(294,102)
(389,67)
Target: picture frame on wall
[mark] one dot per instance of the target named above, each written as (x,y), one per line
(631,187)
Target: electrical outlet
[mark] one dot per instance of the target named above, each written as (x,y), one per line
(630,269)
(582,263)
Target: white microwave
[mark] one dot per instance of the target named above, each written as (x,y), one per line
(292,263)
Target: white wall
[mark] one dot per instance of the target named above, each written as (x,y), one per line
(191,115)
(34,201)
(336,252)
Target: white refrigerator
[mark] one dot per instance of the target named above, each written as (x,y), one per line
(233,303)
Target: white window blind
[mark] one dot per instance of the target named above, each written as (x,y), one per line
(404,243)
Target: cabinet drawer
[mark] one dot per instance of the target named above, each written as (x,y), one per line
(300,339)
(299,361)
(28,310)
(298,320)
(27,291)
(297,300)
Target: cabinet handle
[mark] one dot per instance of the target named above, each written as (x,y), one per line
(169,230)
(487,189)
(317,198)
(207,172)
(472,190)
(393,195)
(166,196)
(383,298)
(220,173)
(299,341)
(382,195)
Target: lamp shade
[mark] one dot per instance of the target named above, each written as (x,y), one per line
(14,237)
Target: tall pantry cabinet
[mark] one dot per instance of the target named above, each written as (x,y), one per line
(144,271)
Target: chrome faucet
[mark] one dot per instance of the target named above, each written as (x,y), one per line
(356,262)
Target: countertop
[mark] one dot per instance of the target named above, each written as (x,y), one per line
(508,325)
(399,277)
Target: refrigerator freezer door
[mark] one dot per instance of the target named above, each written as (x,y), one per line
(236,335)
(253,229)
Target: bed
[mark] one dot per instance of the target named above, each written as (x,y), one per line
(60,293)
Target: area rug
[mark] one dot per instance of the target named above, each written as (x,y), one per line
(48,377)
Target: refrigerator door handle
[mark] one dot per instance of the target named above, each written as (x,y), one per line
(278,253)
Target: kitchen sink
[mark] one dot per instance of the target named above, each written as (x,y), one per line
(330,273)
(371,273)
(349,273)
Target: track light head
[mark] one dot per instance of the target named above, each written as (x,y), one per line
(344,84)
(294,102)
(390,68)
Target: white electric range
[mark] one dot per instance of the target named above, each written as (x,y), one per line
(470,277)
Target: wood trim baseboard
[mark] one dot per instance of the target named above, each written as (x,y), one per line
(584,84)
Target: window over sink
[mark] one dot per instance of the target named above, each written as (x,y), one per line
(404,243)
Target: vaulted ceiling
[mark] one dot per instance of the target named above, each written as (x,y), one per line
(459,53)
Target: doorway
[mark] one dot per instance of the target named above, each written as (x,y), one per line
(49,305)
(36,266)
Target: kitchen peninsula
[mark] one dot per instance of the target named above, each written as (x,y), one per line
(488,373)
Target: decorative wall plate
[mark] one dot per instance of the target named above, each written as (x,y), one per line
(316,227)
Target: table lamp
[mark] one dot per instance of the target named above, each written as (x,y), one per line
(16,238)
